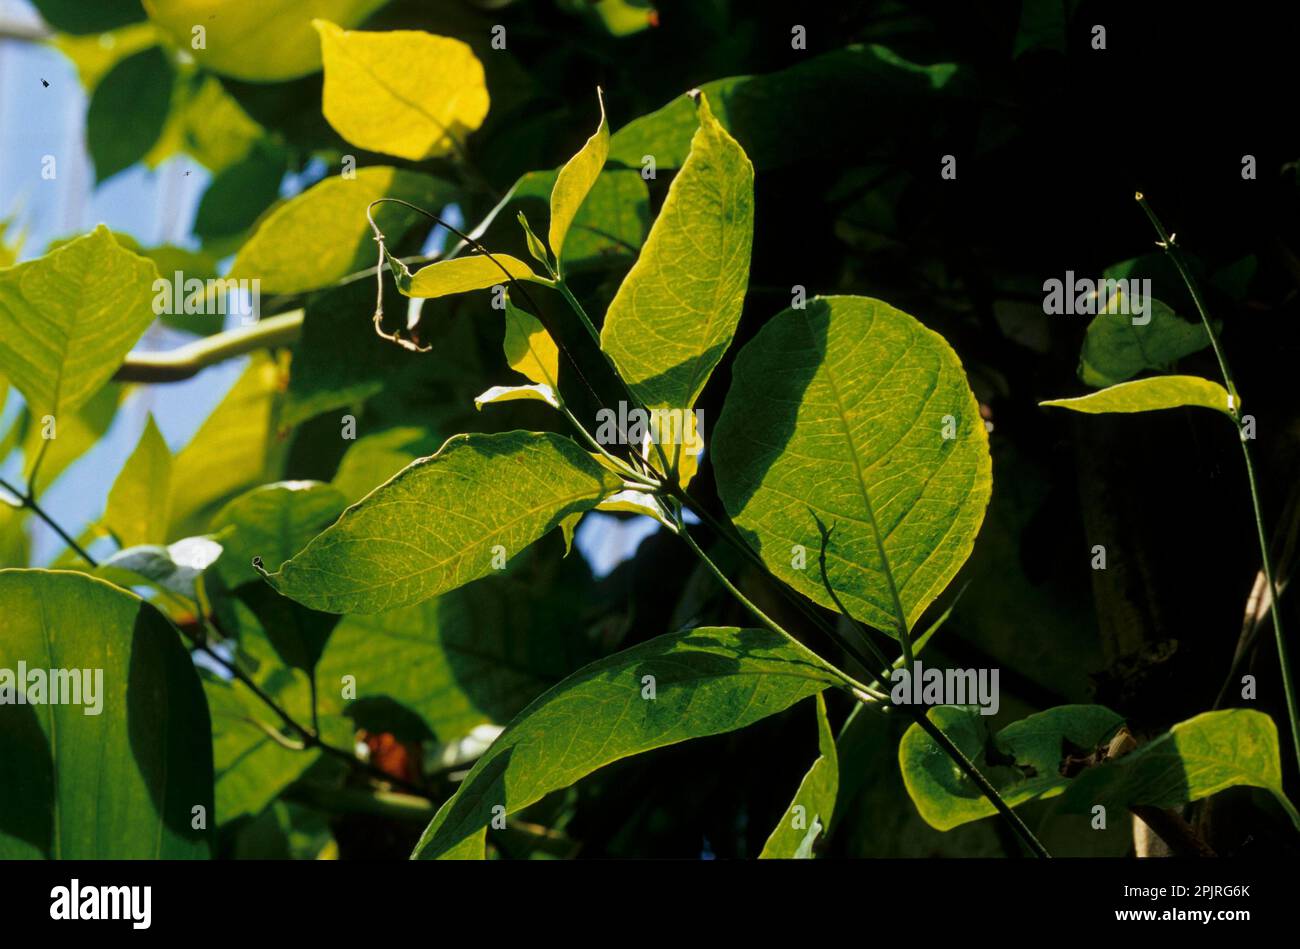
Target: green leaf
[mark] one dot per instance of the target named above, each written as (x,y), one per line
(809,814)
(273,522)
(139,503)
(79,18)
(1204,755)
(1150,395)
(442,521)
(610,225)
(677,309)
(1115,348)
(476,655)
(462,274)
(234,449)
(68,318)
(251,768)
(175,568)
(853,412)
(529,349)
(401,92)
(239,194)
(706,682)
(73,433)
(128,110)
(256,40)
(1023,760)
(317,238)
(373,459)
(119,784)
(575,181)
(797,114)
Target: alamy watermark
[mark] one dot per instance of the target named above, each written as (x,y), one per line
(215,296)
(641,427)
(134,903)
(921,686)
(1070,297)
(23,686)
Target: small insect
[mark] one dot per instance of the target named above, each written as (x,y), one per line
(45,83)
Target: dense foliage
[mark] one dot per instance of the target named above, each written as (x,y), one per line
(781,288)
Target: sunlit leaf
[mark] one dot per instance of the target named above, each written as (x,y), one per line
(443,521)
(677,309)
(321,235)
(119,784)
(401,92)
(809,815)
(462,274)
(852,412)
(1150,395)
(139,504)
(68,318)
(575,181)
(256,40)
(705,682)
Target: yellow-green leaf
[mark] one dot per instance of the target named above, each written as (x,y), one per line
(255,40)
(676,311)
(1150,395)
(121,782)
(401,92)
(462,274)
(321,235)
(853,413)
(139,504)
(68,318)
(575,180)
(809,815)
(530,350)
(539,393)
(706,681)
(444,521)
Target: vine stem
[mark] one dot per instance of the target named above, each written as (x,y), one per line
(763,618)
(26,500)
(1166,242)
(868,695)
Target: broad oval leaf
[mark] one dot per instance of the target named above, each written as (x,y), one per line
(443,520)
(1151,395)
(1117,348)
(321,235)
(462,274)
(809,815)
(797,114)
(706,681)
(852,412)
(68,318)
(128,110)
(1028,766)
(1206,754)
(255,40)
(676,311)
(118,783)
(575,181)
(473,656)
(401,92)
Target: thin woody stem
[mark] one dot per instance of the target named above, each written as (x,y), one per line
(1284,661)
